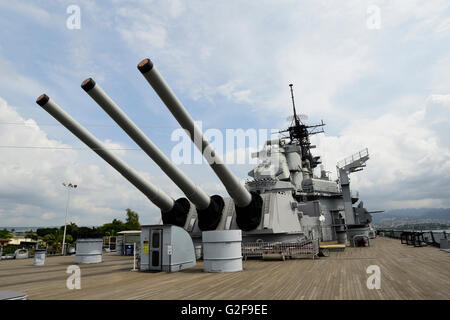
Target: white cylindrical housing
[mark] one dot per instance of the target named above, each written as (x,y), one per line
(89,251)
(39,258)
(222,250)
(294,161)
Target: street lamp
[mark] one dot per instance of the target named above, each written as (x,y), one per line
(69,186)
(321,220)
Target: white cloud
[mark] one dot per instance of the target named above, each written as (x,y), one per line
(253,60)
(141,30)
(231,90)
(425,19)
(115,147)
(409,161)
(419,203)
(12,81)
(176,8)
(440,98)
(30,180)
(28,10)
(318,74)
(247,55)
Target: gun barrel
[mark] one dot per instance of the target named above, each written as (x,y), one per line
(241,196)
(157,196)
(196,195)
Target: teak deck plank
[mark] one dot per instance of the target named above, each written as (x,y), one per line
(406,273)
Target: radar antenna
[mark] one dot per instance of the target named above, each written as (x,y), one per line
(299,133)
(296,118)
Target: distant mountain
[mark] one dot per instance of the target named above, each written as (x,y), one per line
(24,228)
(35,228)
(411,217)
(428,213)
(391,217)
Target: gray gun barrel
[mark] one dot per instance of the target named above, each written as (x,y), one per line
(196,195)
(241,196)
(158,197)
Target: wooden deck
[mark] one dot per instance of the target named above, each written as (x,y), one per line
(406,273)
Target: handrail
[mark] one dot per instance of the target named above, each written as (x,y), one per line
(354,157)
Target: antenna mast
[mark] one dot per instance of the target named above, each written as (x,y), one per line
(297,121)
(300,132)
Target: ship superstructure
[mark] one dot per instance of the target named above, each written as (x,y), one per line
(284,201)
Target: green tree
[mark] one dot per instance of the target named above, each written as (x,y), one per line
(71,229)
(49,239)
(86,232)
(44,231)
(132,220)
(69,238)
(5,234)
(112,228)
(32,235)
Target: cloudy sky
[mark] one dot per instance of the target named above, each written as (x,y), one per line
(376,72)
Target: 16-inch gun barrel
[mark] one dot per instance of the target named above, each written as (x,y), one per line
(248,205)
(173,212)
(196,195)
(236,190)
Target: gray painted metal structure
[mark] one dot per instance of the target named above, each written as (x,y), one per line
(12,295)
(284,201)
(349,165)
(89,251)
(166,248)
(196,195)
(222,250)
(240,195)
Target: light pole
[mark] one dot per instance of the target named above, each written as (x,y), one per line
(69,186)
(322,220)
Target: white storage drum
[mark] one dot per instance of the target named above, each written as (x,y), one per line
(21,254)
(39,258)
(222,250)
(89,251)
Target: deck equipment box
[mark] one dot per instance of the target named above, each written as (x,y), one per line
(166,248)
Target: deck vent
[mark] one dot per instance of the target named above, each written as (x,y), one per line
(89,251)
(222,250)
(39,258)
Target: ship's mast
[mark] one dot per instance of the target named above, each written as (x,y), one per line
(299,133)
(296,119)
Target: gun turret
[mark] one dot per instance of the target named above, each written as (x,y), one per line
(209,209)
(248,205)
(173,212)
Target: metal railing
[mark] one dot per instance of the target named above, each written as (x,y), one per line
(427,237)
(290,250)
(354,157)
